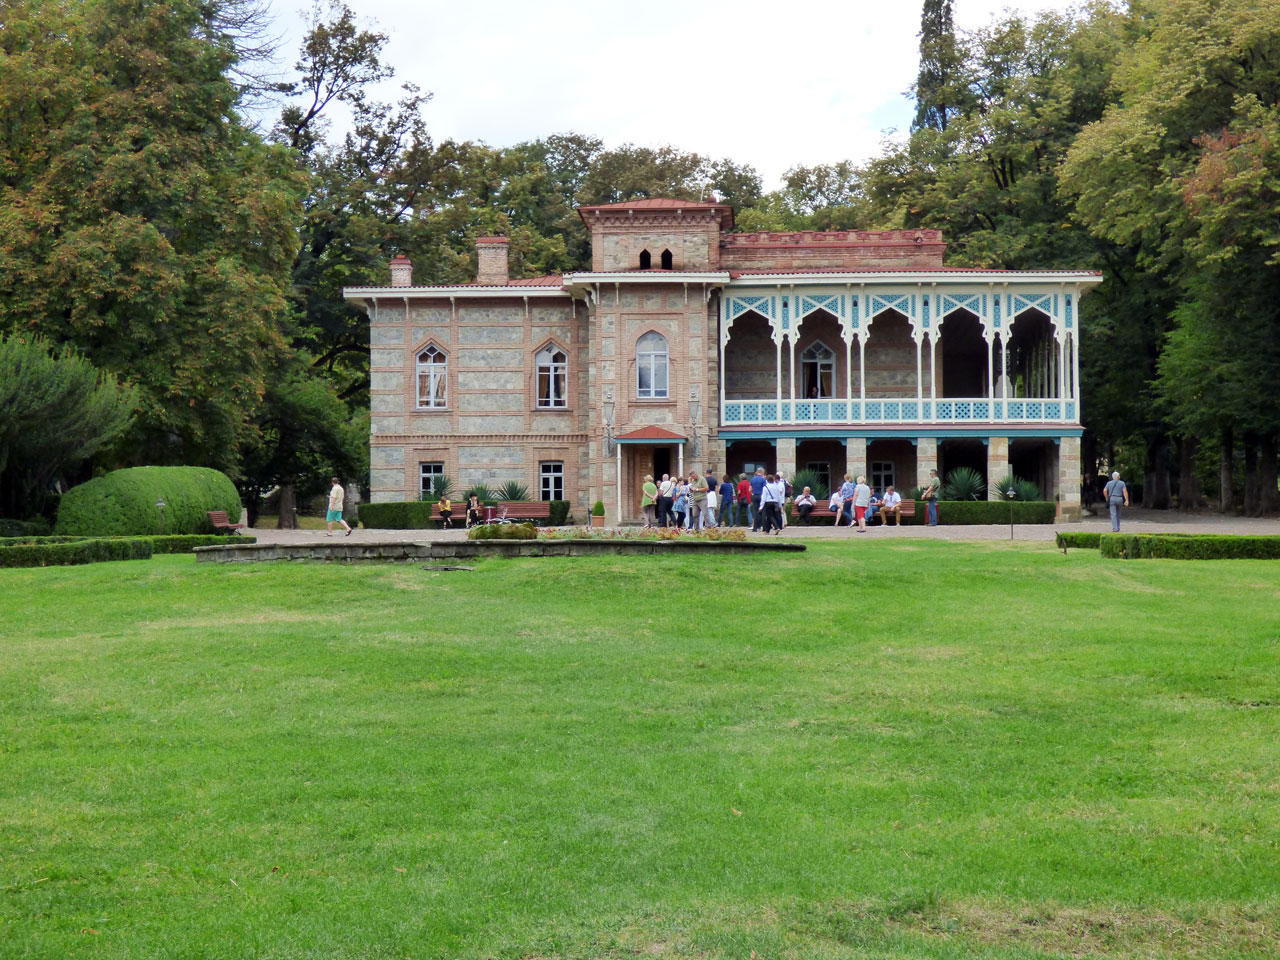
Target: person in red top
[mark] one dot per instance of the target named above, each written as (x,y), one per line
(744,498)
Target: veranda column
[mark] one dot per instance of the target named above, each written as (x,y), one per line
(991,371)
(619,465)
(1004,373)
(933,378)
(786,457)
(777,380)
(1075,375)
(997,463)
(855,459)
(1062,377)
(919,382)
(680,459)
(1069,477)
(926,459)
(791,345)
(862,373)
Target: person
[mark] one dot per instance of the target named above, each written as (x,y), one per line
(334,515)
(713,499)
(861,500)
(666,500)
(648,501)
(771,497)
(786,497)
(874,506)
(680,504)
(891,506)
(728,502)
(757,488)
(697,501)
(475,515)
(1117,496)
(844,500)
(804,504)
(446,512)
(930,496)
(744,500)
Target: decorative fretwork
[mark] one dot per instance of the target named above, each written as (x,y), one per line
(766,306)
(832,303)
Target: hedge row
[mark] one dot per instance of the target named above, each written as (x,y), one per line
(123,503)
(33,547)
(1078,540)
(1188,546)
(185,543)
(955,513)
(416,514)
(30,541)
(78,551)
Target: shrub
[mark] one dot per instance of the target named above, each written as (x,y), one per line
(185,543)
(1079,539)
(559,513)
(597,509)
(75,552)
(511,492)
(24,528)
(123,503)
(29,541)
(975,512)
(964,483)
(1188,546)
(503,531)
(441,486)
(810,479)
(1022,489)
(404,515)
(481,492)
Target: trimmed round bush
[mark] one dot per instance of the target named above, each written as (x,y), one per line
(123,503)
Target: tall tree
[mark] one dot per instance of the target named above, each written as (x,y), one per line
(938,61)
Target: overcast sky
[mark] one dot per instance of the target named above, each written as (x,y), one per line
(771,84)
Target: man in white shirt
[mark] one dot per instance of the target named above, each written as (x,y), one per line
(666,495)
(334,515)
(891,506)
(804,504)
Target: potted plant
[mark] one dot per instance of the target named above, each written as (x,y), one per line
(597,514)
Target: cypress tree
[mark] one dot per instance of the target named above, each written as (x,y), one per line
(937,63)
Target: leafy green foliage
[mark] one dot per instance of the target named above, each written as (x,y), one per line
(75,552)
(810,479)
(479,491)
(59,410)
(971,512)
(559,514)
(597,508)
(964,483)
(1188,546)
(1022,489)
(23,528)
(1079,539)
(403,515)
(123,502)
(512,490)
(503,531)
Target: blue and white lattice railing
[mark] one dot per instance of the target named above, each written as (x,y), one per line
(950,410)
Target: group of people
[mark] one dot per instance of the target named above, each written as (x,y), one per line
(701,500)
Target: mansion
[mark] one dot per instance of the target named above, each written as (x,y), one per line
(689,346)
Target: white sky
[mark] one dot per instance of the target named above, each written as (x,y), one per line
(770,84)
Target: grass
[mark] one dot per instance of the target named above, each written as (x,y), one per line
(910,749)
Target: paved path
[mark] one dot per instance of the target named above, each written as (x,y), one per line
(1135,520)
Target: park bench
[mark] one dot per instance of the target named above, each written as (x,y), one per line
(822,512)
(220,522)
(908,510)
(510,510)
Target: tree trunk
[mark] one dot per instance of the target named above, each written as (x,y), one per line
(1155,492)
(1188,484)
(288,508)
(1251,508)
(1268,494)
(1226,472)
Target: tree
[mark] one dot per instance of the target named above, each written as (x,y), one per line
(938,61)
(140,220)
(59,410)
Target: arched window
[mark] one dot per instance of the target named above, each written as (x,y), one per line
(666,259)
(433,368)
(651,367)
(646,260)
(553,368)
(818,370)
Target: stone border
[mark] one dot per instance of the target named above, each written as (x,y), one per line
(393,550)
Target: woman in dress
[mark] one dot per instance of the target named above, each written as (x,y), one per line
(680,505)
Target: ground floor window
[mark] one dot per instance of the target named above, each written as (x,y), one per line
(551,473)
(881,474)
(822,469)
(428,472)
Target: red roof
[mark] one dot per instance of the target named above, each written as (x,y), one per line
(651,433)
(734,274)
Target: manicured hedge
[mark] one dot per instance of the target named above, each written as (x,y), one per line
(559,513)
(1189,546)
(1078,540)
(503,531)
(413,514)
(78,551)
(185,543)
(23,528)
(123,503)
(976,512)
(30,541)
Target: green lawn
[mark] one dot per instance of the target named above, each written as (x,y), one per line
(908,749)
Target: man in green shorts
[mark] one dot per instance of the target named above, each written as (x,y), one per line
(334,515)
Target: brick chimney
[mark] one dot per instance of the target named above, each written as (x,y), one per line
(401,272)
(491,257)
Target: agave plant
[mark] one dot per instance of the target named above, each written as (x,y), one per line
(512,490)
(810,479)
(480,492)
(441,486)
(964,483)
(1022,489)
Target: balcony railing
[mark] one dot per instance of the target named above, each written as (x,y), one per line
(738,413)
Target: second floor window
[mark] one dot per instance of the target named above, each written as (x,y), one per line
(651,367)
(432,369)
(818,366)
(553,367)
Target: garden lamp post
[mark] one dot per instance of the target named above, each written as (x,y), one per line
(1011,494)
(160,507)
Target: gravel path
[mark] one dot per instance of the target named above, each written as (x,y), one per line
(1135,520)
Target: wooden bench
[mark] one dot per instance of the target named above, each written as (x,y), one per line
(822,512)
(908,509)
(220,522)
(511,510)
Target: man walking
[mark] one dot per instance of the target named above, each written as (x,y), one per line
(757,487)
(336,493)
(1117,496)
(665,499)
(930,496)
